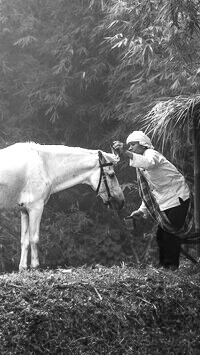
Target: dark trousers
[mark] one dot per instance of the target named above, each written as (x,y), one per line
(168,243)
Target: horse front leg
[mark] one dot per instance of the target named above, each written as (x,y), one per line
(24,240)
(35,216)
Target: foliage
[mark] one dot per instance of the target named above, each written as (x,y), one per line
(51,67)
(155,54)
(119,310)
(173,122)
(78,64)
(73,238)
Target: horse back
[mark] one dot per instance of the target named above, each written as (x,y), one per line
(23,178)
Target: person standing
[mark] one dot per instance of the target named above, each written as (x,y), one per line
(164,192)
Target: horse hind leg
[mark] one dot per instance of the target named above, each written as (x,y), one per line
(24,240)
(35,216)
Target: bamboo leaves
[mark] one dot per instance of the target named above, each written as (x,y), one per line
(98,61)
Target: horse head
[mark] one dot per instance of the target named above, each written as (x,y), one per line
(108,187)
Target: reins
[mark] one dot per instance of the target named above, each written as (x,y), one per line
(103,176)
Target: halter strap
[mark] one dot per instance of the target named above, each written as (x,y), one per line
(103,176)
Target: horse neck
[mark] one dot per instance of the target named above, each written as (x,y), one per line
(70,167)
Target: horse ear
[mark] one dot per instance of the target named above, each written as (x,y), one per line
(115,152)
(101,157)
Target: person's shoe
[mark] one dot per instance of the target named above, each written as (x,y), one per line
(173,267)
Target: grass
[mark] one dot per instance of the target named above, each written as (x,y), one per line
(123,310)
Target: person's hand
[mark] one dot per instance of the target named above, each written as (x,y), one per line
(137,214)
(118,146)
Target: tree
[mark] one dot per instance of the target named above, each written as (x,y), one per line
(155,54)
(85,70)
(52,69)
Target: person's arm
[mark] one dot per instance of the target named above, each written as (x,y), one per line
(146,161)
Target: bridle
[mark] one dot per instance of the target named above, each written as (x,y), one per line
(103,176)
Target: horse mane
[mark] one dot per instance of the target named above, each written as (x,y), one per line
(62,149)
(111,157)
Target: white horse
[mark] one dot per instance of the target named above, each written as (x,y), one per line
(30,173)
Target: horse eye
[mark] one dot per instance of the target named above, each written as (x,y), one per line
(111,175)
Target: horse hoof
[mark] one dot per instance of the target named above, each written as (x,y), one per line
(22,269)
(34,268)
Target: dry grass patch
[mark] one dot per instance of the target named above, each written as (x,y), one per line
(119,310)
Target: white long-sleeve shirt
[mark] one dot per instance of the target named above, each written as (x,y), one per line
(166,183)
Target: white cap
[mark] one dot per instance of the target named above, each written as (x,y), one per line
(141,137)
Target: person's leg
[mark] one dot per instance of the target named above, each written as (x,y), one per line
(177,214)
(171,250)
(170,242)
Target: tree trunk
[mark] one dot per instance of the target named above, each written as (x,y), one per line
(196,142)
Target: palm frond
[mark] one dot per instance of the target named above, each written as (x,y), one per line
(172,120)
